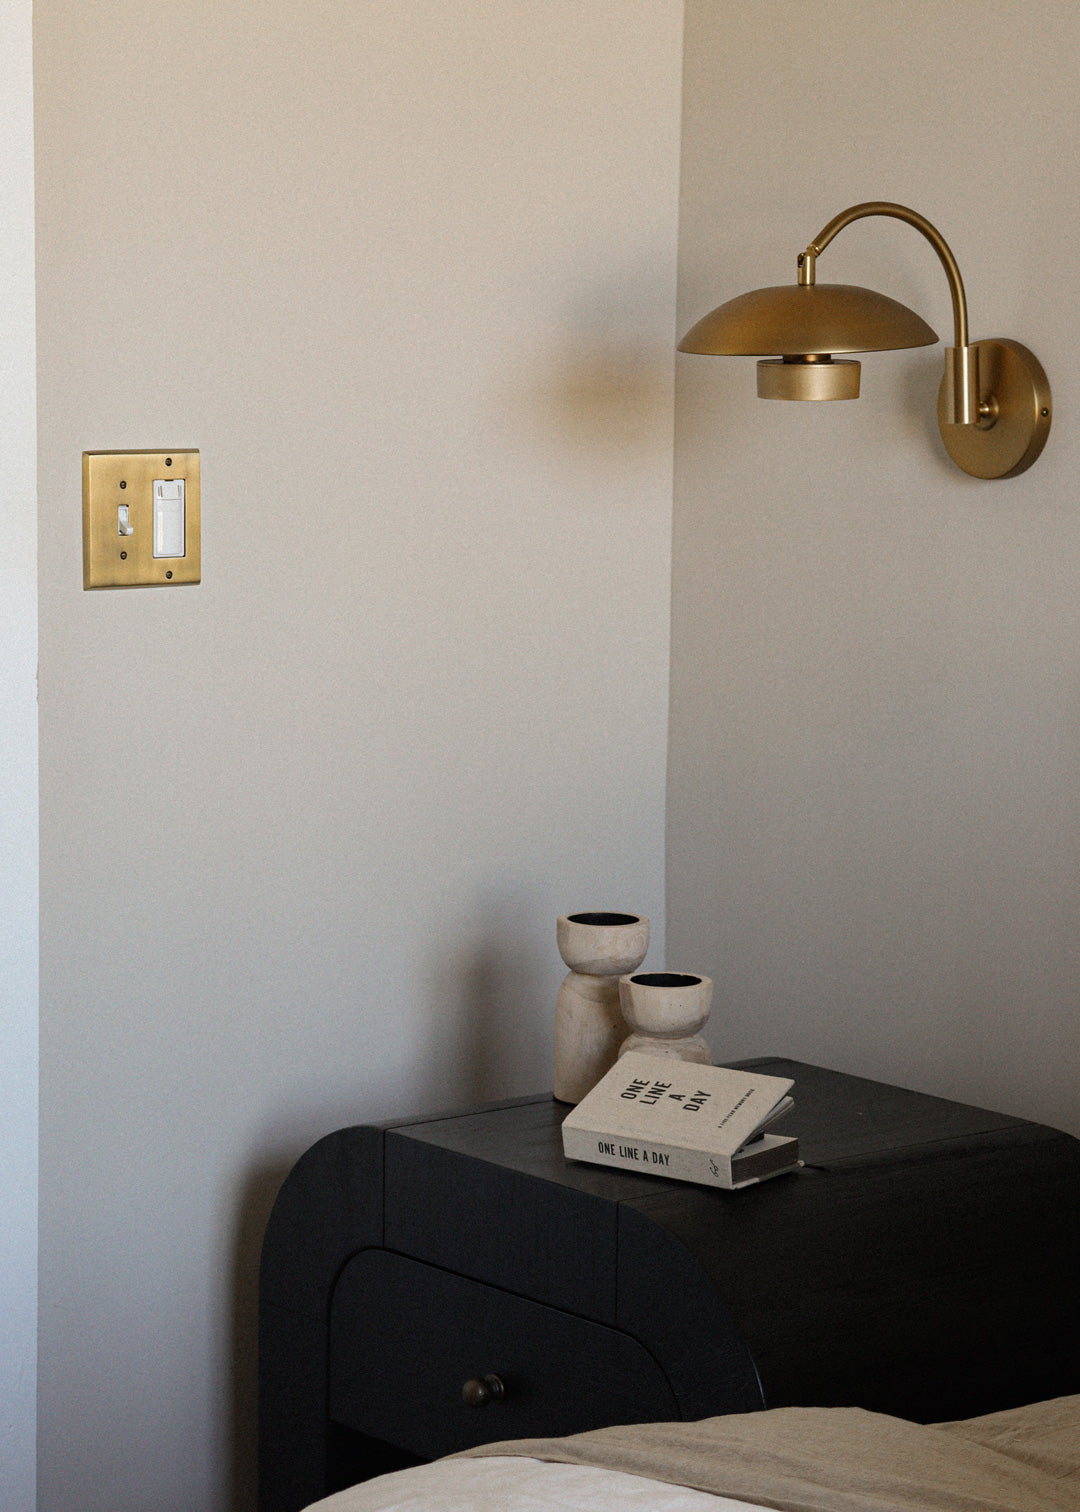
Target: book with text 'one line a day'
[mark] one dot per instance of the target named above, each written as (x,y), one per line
(691,1122)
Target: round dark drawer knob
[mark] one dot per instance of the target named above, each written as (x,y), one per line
(481,1390)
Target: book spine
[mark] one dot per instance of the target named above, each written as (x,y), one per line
(654,1157)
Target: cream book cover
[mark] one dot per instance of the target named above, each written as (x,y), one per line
(680,1119)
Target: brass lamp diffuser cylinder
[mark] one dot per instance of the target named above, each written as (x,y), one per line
(809,377)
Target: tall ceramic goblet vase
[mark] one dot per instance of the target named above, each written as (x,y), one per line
(665,1010)
(589,1026)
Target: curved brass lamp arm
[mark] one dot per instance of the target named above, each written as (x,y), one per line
(913,218)
(961,360)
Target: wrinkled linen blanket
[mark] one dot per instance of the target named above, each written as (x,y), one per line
(842,1459)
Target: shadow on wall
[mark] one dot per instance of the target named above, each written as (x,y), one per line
(607,397)
(598,388)
(491,1038)
(490,1023)
(253,1212)
(920,381)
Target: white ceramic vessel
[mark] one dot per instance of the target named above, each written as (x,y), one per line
(589,1025)
(664,1011)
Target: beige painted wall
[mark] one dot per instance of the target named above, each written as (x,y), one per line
(874,790)
(406,275)
(18,768)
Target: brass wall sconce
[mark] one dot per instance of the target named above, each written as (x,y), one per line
(994,406)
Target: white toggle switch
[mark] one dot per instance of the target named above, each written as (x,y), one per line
(168,517)
(123,524)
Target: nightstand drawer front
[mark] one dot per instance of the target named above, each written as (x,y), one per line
(536,1238)
(405,1337)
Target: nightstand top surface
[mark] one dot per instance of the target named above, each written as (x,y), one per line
(839,1120)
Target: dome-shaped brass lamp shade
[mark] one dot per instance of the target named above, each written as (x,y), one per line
(793,320)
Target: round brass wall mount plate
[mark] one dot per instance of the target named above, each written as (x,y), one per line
(1016,410)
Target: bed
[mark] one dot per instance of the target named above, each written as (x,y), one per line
(1026,1459)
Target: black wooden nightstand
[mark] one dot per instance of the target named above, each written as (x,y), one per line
(922,1263)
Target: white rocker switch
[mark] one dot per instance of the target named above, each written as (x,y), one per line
(168,517)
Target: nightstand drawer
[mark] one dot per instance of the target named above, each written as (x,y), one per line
(405,1337)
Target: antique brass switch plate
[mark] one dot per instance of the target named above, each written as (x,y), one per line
(140,519)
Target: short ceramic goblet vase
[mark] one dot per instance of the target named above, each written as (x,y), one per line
(665,1010)
(589,1027)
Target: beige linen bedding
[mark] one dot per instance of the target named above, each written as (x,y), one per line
(842,1459)
(509,1484)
